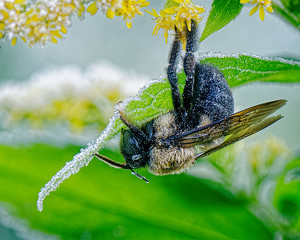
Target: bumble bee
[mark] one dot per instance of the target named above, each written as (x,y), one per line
(203,118)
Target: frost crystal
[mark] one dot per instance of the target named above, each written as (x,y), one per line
(84,157)
(79,160)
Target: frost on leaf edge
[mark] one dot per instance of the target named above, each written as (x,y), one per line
(85,155)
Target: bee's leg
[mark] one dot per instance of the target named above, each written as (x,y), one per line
(189,65)
(172,74)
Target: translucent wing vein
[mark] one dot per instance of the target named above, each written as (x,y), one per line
(238,125)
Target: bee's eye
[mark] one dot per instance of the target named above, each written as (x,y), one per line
(134,150)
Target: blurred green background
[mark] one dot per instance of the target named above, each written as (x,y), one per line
(104,203)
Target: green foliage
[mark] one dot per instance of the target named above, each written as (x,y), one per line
(292,5)
(290,12)
(101,202)
(153,100)
(243,69)
(287,196)
(156,99)
(222,13)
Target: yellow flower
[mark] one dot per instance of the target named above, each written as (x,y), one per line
(180,15)
(262,156)
(162,21)
(185,13)
(41,22)
(260,5)
(129,9)
(92,9)
(126,8)
(108,7)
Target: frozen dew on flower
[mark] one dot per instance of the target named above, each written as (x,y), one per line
(108,7)
(41,22)
(261,6)
(129,9)
(179,15)
(162,21)
(126,8)
(37,22)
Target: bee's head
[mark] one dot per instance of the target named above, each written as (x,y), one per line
(135,146)
(134,149)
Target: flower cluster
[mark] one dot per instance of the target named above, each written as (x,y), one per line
(70,98)
(129,9)
(42,22)
(180,16)
(108,7)
(260,5)
(247,167)
(126,8)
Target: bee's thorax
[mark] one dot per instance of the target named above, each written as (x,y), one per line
(164,157)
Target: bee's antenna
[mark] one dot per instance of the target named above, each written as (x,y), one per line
(110,162)
(115,164)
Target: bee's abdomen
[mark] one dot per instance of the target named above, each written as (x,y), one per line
(172,160)
(212,94)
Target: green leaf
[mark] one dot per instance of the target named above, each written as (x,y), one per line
(241,69)
(152,100)
(287,197)
(102,202)
(222,13)
(292,5)
(289,11)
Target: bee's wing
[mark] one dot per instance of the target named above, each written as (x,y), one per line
(239,125)
(240,134)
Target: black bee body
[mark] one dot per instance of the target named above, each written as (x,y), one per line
(201,117)
(212,100)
